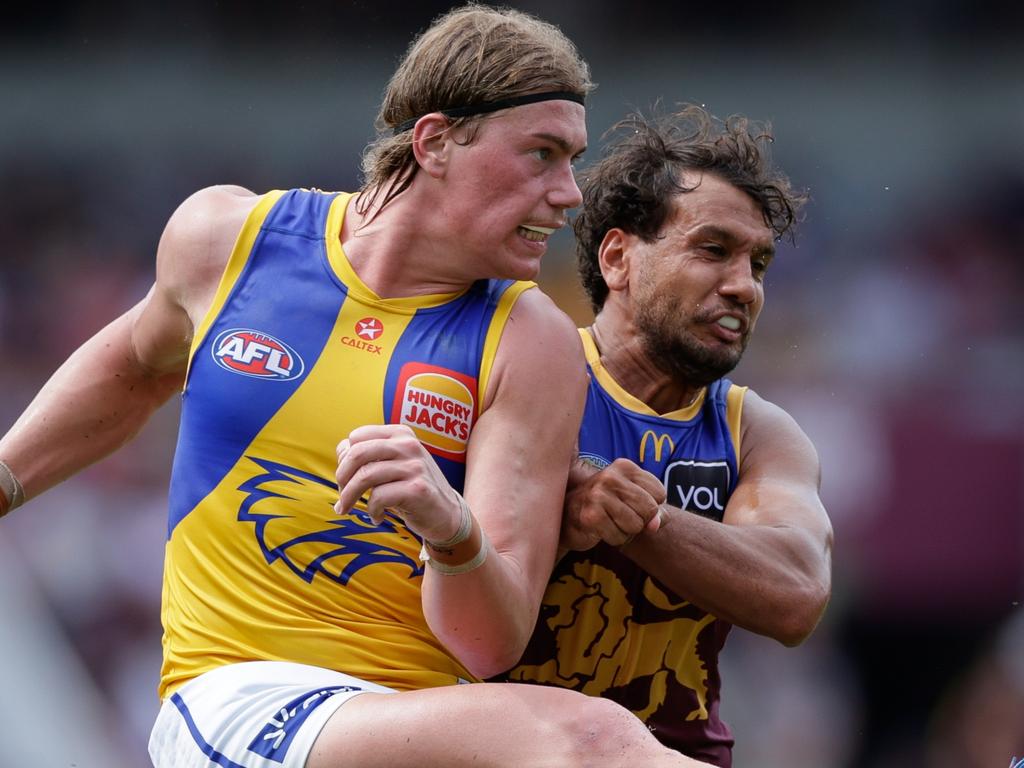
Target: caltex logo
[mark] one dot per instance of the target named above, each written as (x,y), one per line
(369,328)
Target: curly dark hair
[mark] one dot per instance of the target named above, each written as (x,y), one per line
(633,187)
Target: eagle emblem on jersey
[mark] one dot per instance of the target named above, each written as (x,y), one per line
(602,640)
(295,524)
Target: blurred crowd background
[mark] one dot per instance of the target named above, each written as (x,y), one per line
(893,329)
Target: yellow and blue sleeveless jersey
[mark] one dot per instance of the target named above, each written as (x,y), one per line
(606,627)
(295,352)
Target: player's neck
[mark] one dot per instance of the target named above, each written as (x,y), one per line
(394,252)
(625,360)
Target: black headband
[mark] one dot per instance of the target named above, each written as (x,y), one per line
(494,106)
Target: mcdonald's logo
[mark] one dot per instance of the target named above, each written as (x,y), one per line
(659,444)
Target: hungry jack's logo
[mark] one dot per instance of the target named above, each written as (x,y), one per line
(439,405)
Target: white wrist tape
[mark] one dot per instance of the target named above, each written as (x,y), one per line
(11,488)
(454,570)
(465,526)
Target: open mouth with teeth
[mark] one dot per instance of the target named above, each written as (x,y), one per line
(729,322)
(535,234)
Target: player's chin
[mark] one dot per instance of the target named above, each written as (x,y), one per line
(521,269)
(525,258)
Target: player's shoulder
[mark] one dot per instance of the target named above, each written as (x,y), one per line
(205,212)
(539,346)
(536,309)
(543,329)
(208,220)
(198,239)
(760,413)
(769,427)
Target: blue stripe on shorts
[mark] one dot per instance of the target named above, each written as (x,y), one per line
(203,744)
(273,741)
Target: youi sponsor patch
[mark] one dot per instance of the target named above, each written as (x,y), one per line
(698,486)
(439,405)
(253,353)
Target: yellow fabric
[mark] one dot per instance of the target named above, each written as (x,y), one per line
(224,600)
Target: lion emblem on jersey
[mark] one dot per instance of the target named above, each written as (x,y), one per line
(295,524)
(602,646)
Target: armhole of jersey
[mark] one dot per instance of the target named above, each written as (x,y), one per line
(494,331)
(733,415)
(336,257)
(589,347)
(236,262)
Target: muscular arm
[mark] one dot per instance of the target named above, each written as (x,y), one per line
(768,568)
(517,464)
(104,393)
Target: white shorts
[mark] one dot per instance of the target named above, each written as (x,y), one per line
(258,714)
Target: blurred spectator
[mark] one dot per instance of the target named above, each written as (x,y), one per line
(980,720)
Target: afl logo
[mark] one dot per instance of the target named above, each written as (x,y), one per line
(251,353)
(369,328)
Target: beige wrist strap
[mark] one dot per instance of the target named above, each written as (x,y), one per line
(454,570)
(465,527)
(465,551)
(10,487)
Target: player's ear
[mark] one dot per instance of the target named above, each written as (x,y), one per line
(431,143)
(613,258)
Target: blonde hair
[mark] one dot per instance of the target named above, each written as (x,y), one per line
(469,56)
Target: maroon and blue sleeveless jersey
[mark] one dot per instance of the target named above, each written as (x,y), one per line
(607,628)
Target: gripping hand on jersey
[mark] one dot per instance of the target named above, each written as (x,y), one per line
(613,504)
(404,479)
